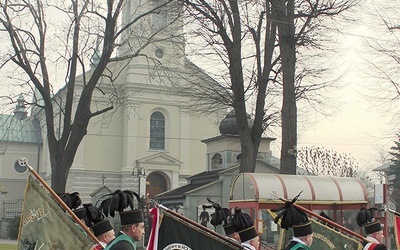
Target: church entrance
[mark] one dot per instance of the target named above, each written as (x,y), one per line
(156,183)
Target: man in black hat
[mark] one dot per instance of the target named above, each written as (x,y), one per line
(244,226)
(374,236)
(303,237)
(132,229)
(373,229)
(104,232)
(204,217)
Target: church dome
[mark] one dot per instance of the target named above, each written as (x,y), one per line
(228,125)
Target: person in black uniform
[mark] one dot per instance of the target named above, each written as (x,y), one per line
(204,217)
(132,229)
(373,229)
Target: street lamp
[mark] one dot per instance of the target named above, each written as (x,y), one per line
(138,172)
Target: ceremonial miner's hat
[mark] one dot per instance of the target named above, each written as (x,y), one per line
(373,227)
(118,202)
(302,229)
(365,218)
(131,217)
(221,216)
(101,227)
(80,213)
(229,229)
(291,216)
(244,225)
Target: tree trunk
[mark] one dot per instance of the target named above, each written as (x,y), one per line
(59,175)
(289,110)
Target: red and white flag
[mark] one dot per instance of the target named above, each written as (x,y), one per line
(153,239)
(397,230)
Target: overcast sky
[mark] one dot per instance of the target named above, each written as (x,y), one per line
(360,127)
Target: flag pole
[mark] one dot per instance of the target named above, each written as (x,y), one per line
(386,208)
(193,223)
(64,206)
(362,238)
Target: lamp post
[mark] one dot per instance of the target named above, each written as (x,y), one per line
(138,172)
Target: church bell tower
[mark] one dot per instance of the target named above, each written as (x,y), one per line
(157,32)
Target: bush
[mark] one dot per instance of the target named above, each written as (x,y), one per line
(14,227)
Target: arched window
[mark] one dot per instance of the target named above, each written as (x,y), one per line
(216,161)
(156,183)
(157,131)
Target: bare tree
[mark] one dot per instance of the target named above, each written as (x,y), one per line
(324,162)
(382,60)
(34,45)
(251,45)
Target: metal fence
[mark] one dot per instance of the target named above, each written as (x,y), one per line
(12,208)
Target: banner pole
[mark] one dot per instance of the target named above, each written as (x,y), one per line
(165,209)
(64,206)
(386,208)
(362,238)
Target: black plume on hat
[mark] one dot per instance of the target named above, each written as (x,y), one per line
(92,214)
(117,202)
(221,215)
(365,216)
(89,214)
(72,200)
(241,220)
(244,225)
(290,215)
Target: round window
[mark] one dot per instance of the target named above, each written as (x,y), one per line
(159,53)
(20,165)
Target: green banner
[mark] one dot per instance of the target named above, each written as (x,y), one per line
(324,238)
(45,225)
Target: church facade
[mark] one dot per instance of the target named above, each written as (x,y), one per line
(151,141)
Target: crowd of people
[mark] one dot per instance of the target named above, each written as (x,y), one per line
(238,227)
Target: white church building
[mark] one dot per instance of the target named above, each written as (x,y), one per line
(152,140)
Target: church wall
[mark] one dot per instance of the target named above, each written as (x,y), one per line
(14,187)
(103,146)
(224,144)
(13,181)
(13,153)
(265,145)
(87,181)
(201,128)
